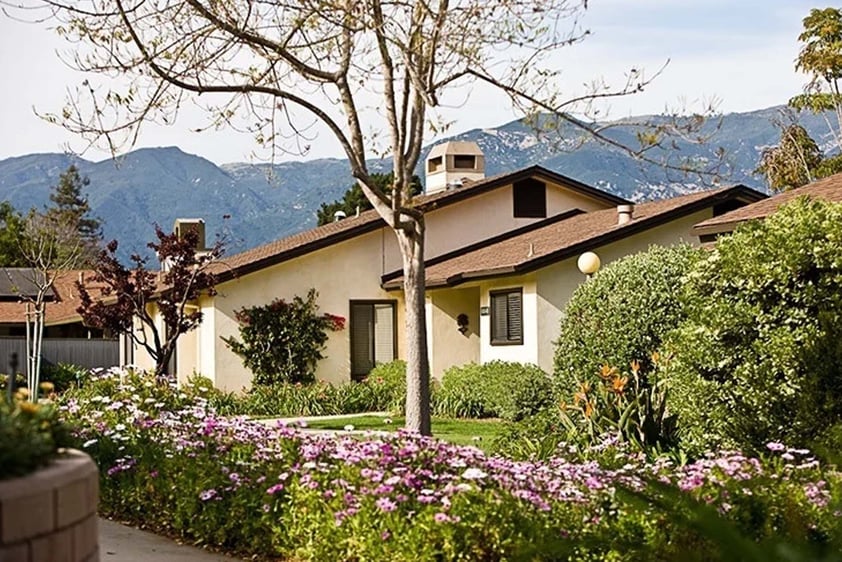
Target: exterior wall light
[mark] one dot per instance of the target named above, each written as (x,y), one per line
(462,323)
(588,263)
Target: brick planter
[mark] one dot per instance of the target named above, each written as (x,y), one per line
(50,515)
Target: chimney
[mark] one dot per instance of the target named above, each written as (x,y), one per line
(183,226)
(625,214)
(452,164)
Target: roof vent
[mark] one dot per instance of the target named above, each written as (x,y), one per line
(339,215)
(625,214)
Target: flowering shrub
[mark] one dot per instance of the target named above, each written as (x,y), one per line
(30,435)
(277,491)
(283,341)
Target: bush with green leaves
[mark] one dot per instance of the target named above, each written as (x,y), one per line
(501,389)
(283,341)
(31,435)
(63,375)
(621,314)
(391,378)
(759,357)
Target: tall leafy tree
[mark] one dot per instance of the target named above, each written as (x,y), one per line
(70,207)
(798,160)
(372,73)
(355,200)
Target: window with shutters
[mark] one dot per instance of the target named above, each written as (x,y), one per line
(507,317)
(373,335)
(529,199)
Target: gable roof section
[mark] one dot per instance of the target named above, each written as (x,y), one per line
(550,242)
(828,189)
(62,308)
(323,236)
(16,282)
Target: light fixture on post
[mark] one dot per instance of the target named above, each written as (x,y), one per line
(588,264)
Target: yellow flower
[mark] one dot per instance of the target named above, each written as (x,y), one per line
(47,387)
(29,408)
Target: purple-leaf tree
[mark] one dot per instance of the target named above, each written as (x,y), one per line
(132,298)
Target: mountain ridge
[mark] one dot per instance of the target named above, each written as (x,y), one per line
(268,201)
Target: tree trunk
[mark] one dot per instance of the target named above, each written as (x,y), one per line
(411,243)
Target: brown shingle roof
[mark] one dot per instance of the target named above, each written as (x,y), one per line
(558,240)
(323,236)
(829,189)
(59,310)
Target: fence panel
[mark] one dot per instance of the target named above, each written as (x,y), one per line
(82,352)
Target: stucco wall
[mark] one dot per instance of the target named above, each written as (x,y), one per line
(341,273)
(556,283)
(449,347)
(480,217)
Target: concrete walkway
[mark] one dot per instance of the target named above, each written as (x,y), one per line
(119,543)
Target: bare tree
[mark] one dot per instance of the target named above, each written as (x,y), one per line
(48,247)
(277,67)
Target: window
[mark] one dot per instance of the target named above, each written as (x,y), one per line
(373,336)
(530,199)
(464,162)
(507,317)
(435,164)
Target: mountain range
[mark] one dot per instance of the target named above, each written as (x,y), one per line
(251,204)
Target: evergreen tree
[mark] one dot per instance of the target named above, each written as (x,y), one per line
(71,207)
(355,199)
(11,234)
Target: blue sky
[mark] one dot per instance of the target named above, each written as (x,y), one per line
(739,52)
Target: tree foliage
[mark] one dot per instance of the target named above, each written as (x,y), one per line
(354,200)
(11,233)
(759,358)
(283,341)
(132,298)
(70,207)
(794,162)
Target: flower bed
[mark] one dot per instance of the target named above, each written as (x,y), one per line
(275,491)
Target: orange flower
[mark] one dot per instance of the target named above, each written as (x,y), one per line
(619,384)
(607,372)
(588,409)
(635,366)
(582,394)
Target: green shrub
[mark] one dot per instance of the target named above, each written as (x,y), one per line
(462,394)
(290,400)
(64,375)
(501,389)
(283,341)
(391,378)
(759,357)
(30,436)
(622,314)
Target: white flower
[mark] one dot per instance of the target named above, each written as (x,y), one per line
(120,427)
(88,443)
(473,474)
(349,427)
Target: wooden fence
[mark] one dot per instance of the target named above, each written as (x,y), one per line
(76,351)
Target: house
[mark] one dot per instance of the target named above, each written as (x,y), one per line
(827,189)
(501,264)
(66,338)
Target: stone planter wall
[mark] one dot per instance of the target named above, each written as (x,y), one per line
(50,515)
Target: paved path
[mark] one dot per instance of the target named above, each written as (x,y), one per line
(119,543)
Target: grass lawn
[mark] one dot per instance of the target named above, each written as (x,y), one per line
(460,432)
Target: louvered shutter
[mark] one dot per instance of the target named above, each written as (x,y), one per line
(499,318)
(514,317)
